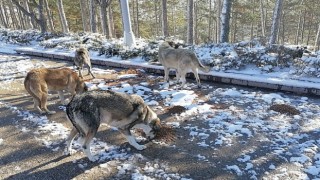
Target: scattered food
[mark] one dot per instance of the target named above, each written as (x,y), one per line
(284,109)
(166,134)
(176,110)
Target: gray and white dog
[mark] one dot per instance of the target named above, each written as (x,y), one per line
(123,111)
(182,60)
(82,57)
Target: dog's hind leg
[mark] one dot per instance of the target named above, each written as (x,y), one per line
(90,71)
(196,74)
(86,144)
(132,141)
(166,74)
(72,135)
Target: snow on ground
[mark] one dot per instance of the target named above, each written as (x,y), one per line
(246,116)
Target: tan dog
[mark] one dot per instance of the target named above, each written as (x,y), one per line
(182,60)
(39,81)
(82,58)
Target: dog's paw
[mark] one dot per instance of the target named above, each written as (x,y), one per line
(51,112)
(93,158)
(69,152)
(140,147)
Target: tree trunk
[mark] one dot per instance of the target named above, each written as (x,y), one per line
(209,22)
(252,22)
(129,39)
(41,21)
(2,15)
(21,18)
(156,17)
(49,15)
(218,21)
(63,18)
(316,43)
(93,22)
(137,21)
(84,15)
(13,16)
(303,25)
(275,22)
(110,22)
(28,20)
(165,32)
(190,27)
(310,28)
(103,16)
(262,17)
(225,21)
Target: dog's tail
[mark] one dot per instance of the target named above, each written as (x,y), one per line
(202,67)
(27,87)
(70,115)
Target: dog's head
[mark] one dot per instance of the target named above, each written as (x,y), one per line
(153,123)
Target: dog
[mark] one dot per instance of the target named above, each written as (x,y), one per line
(182,60)
(88,110)
(82,58)
(39,81)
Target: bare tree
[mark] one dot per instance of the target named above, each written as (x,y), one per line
(275,22)
(63,19)
(218,6)
(41,20)
(262,17)
(129,39)
(84,14)
(316,44)
(28,20)
(190,27)
(49,15)
(225,21)
(15,22)
(110,22)
(2,15)
(93,21)
(165,32)
(103,14)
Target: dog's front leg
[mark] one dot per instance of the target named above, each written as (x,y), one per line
(132,141)
(61,96)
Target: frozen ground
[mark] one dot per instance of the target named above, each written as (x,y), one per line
(224,133)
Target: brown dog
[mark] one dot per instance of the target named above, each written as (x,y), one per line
(39,81)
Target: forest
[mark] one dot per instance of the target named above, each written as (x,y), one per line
(194,21)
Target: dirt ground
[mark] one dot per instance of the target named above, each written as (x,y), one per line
(22,156)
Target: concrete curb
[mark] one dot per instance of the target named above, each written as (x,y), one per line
(159,70)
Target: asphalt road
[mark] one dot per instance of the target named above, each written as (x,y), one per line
(23,156)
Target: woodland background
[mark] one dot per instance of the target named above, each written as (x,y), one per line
(194,21)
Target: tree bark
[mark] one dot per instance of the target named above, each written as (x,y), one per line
(225,21)
(63,18)
(209,22)
(103,17)
(93,22)
(190,28)
(41,21)
(84,15)
(28,20)
(49,15)
(110,22)
(316,43)
(275,22)
(13,16)
(21,18)
(262,18)
(218,21)
(129,39)
(2,15)
(165,32)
